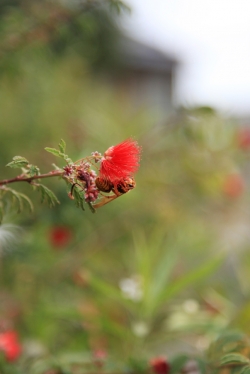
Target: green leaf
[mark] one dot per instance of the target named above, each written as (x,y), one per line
(62,146)
(245,370)
(160,280)
(91,207)
(56,167)
(226,343)
(58,153)
(137,365)
(202,365)
(114,293)
(1,211)
(54,151)
(33,170)
(118,6)
(18,162)
(79,197)
(233,358)
(19,198)
(177,363)
(27,200)
(192,277)
(68,159)
(48,195)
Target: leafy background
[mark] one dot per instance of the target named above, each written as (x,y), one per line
(160,271)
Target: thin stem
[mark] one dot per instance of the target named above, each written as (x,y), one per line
(23,178)
(89,159)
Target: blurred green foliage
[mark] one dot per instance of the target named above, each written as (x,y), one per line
(160,270)
(42,29)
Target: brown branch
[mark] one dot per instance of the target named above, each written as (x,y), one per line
(22,178)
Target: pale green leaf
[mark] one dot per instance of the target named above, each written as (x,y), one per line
(27,200)
(190,278)
(18,162)
(160,280)
(62,146)
(48,195)
(245,370)
(78,197)
(33,170)
(54,151)
(58,153)
(233,358)
(19,198)
(1,211)
(104,288)
(56,167)
(202,365)
(177,363)
(91,207)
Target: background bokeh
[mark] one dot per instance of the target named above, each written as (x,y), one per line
(162,270)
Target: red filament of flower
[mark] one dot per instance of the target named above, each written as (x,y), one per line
(120,161)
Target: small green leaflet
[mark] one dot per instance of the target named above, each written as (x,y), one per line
(19,199)
(54,151)
(177,363)
(1,211)
(78,197)
(60,152)
(118,6)
(91,207)
(245,370)
(18,162)
(33,170)
(62,146)
(234,358)
(48,195)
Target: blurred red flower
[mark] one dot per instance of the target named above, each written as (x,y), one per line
(160,365)
(120,161)
(9,344)
(99,357)
(60,236)
(233,185)
(243,138)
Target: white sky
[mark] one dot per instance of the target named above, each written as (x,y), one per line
(210,37)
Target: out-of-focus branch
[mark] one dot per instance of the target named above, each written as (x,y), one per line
(24,178)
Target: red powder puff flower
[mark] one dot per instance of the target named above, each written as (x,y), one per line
(10,345)
(160,365)
(120,161)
